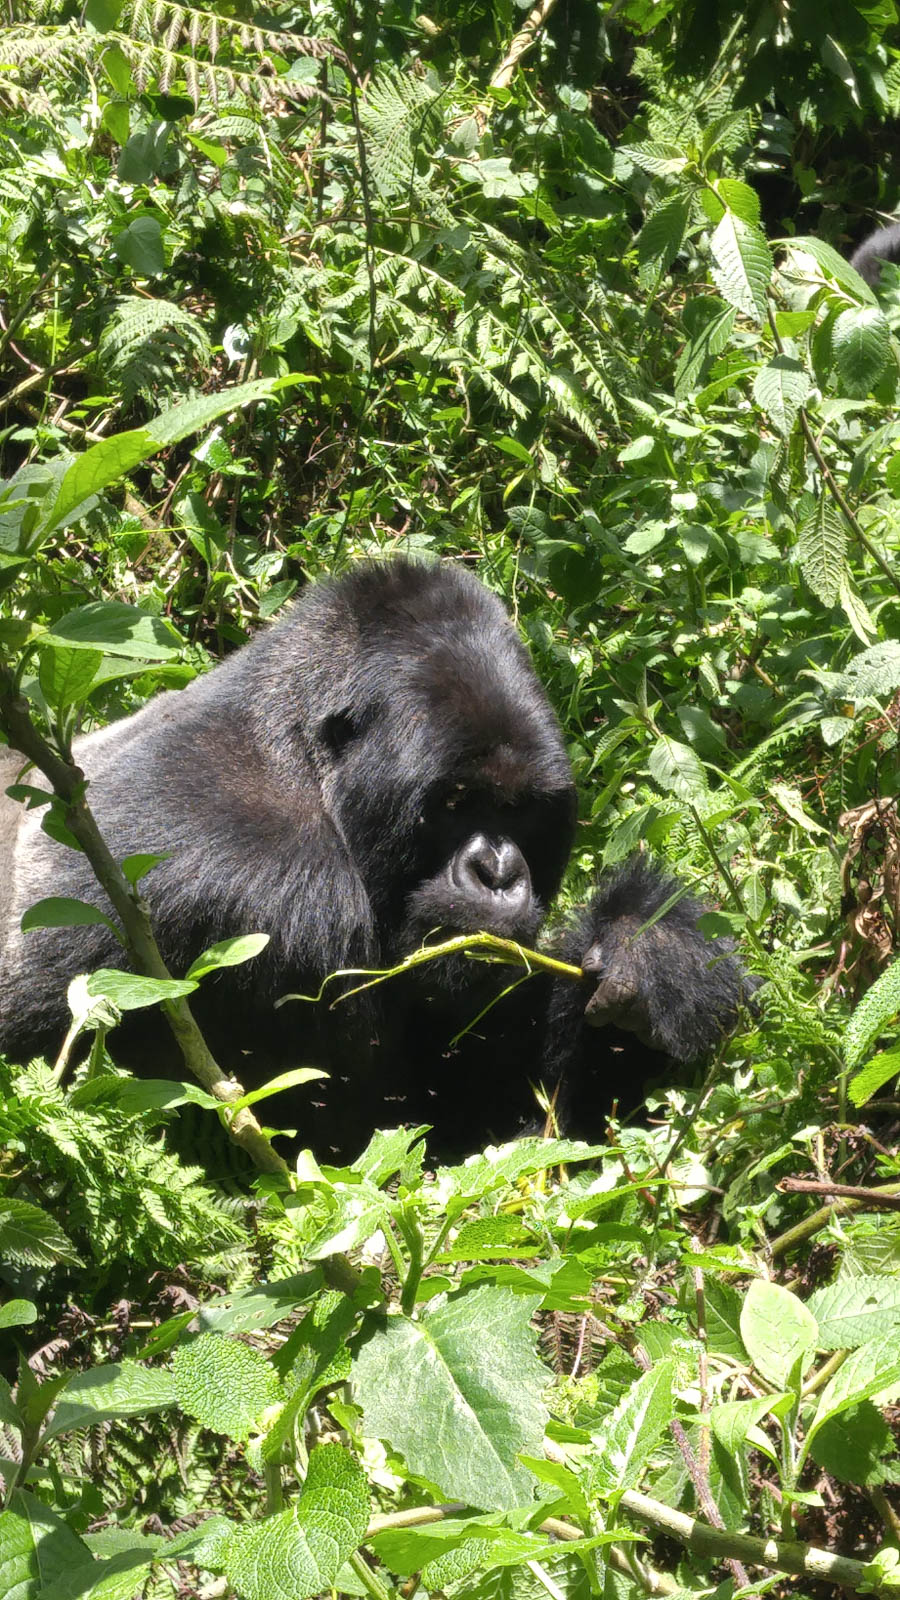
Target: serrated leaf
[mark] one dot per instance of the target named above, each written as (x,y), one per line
(458,1394)
(298,1553)
(105,1393)
(855,1310)
(733,1420)
(861,343)
(878,1006)
(742,265)
(833,265)
(779,1332)
(874,1075)
(501,1165)
(224,1384)
(628,1435)
(677,768)
(656,157)
(780,388)
(821,551)
(28,1235)
(660,239)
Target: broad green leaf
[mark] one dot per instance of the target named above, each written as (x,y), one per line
(36,1548)
(228,953)
(821,551)
(284,1080)
(677,768)
(626,1437)
(16,1313)
(140,246)
(742,265)
(739,198)
(656,157)
(660,239)
(117,629)
(106,1393)
(458,1394)
(779,1332)
(833,265)
(857,1447)
(66,675)
(137,866)
(851,1312)
(299,1553)
(861,341)
(112,459)
(502,1165)
(780,389)
(9,1411)
(733,1420)
(58,911)
(870,1371)
(128,991)
(874,1075)
(224,1384)
(877,1008)
(31,1237)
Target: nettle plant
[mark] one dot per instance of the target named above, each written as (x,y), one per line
(399,1425)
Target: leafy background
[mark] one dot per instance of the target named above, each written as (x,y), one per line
(532,281)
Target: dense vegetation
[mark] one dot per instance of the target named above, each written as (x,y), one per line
(562,293)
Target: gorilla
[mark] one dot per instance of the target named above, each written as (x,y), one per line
(882,245)
(379,768)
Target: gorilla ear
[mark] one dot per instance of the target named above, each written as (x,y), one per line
(337,730)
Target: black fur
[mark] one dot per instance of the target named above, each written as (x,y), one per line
(380,766)
(883,245)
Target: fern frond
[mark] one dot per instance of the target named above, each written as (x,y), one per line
(399,118)
(149,345)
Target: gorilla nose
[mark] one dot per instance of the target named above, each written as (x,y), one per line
(495,866)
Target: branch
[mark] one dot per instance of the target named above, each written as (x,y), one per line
(522,43)
(779,1555)
(68,784)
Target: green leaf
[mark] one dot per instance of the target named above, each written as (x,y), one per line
(128,991)
(779,1332)
(857,1447)
(36,1548)
(106,1393)
(855,1310)
(742,265)
(224,1384)
(140,246)
(821,551)
(117,629)
(780,389)
(299,1553)
(66,675)
(878,1006)
(29,1236)
(16,1313)
(833,265)
(733,1420)
(656,157)
(111,460)
(477,1382)
(628,1435)
(228,953)
(874,1075)
(861,342)
(284,1080)
(661,237)
(58,911)
(677,768)
(137,866)
(872,1370)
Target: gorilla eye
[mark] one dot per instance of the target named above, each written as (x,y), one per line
(337,731)
(455,798)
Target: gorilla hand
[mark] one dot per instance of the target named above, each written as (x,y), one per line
(675,990)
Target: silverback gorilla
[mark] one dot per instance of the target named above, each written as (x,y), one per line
(381,766)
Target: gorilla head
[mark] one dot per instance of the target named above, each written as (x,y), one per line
(380,766)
